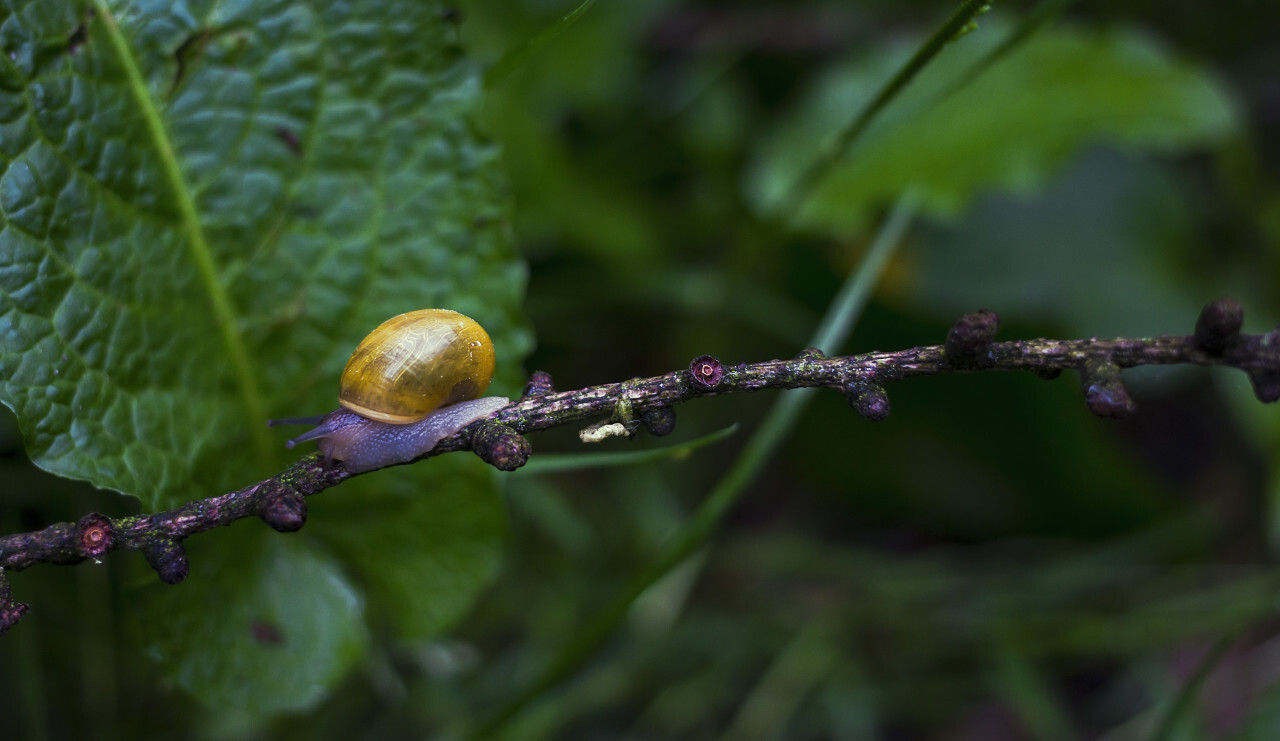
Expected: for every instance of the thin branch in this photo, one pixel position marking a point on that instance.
(627, 406)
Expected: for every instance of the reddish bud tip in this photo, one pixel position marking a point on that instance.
(706, 372)
(95, 535)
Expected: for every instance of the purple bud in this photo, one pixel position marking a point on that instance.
(1219, 325)
(869, 400)
(95, 535)
(10, 612)
(968, 338)
(660, 421)
(168, 558)
(706, 372)
(284, 510)
(1266, 386)
(500, 446)
(539, 384)
(1104, 390)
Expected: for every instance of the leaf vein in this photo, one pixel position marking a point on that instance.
(200, 250)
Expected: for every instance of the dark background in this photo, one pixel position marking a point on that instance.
(991, 562)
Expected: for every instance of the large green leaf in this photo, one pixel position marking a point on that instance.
(203, 207)
(298, 632)
(1011, 127)
(418, 548)
(290, 619)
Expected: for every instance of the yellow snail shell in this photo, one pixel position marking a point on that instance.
(411, 383)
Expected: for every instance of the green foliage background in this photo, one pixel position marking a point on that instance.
(205, 205)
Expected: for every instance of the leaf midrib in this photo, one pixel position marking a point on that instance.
(224, 315)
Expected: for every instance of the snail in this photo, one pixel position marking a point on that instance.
(415, 380)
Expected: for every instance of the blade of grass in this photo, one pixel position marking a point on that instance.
(556, 463)
(517, 56)
(818, 170)
(770, 705)
(1020, 683)
(831, 333)
(1026, 28)
(1177, 707)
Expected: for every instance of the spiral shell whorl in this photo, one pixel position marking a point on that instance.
(413, 363)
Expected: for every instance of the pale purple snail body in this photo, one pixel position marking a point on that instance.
(411, 383)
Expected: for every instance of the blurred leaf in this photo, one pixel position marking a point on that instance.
(199, 219)
(1092, 253)
(591, 70)
(258, 629)
(422, 549)
(1011, 127)
(561, 201)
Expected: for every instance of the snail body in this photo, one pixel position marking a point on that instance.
(413, 381)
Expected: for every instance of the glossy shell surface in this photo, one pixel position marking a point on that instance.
(415, 363)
